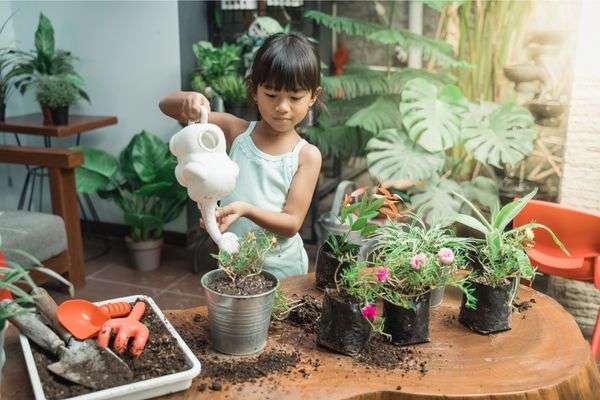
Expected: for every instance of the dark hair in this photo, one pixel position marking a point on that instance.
(286, 61)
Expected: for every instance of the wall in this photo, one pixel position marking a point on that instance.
(129, 56)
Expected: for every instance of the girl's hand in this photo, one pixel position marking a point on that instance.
(230, 213)
(191, 106)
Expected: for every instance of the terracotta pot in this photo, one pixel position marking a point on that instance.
(46, 114)
(145, 256)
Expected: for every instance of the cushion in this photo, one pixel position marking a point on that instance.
(41, 235)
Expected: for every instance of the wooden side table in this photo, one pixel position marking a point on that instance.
(32, 124)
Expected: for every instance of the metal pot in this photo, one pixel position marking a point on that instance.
(239, 325)
(437, 296)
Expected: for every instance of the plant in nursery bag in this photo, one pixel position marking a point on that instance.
(500, 262)
(142, 184)
(349, 314)
(339, 251)
(240, 296)
(412, 260)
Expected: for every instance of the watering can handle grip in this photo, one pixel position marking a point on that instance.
(47, 308)
(31, 326)
(203, 116)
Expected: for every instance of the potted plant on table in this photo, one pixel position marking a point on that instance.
(501, 260)
(338, 251)
(56, 94)
(232, 90)
(349, 315)
(143, 185)
(413, 260)
(240, 296)
(47, 60)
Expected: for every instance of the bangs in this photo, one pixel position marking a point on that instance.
(286, 62)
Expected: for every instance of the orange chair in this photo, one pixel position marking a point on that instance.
(580, 232)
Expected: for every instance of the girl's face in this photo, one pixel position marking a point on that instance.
(281, 109)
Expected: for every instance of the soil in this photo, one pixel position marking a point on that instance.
(307, 315)
(523, 306)
(380, 353)
(219, 370)
(160, 346)
(252, 285)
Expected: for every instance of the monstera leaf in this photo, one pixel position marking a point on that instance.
(500, 137)
(392, 156)
(380, 115)
(432, 116)
(436, 201)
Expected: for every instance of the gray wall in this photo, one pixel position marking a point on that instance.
(129, 56)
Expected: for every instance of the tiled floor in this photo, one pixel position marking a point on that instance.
(173, 285)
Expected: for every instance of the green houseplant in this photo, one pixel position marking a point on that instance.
(46, 59)
(57, 94)
(411, 261)
(500, 261)
(9, 58)
(416, 125)
(142, 184)
(240, 296)
(14, 280)
(232, 90)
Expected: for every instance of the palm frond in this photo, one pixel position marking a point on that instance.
(355, 82)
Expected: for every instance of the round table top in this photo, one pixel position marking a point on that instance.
(543, 356)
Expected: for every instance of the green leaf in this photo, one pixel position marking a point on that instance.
(88, 181)
(143, 221)
(99, 161)
(511, 210)
(482, 189)
(437, 202)
(356, 81)
(44, 37)
(471, 223)
(159, 189)
(431, 117)
(382, 114)
(501, 137)
(391, 156)
(146, 154)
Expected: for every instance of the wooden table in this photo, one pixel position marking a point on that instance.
(32, 124)
(544, 356)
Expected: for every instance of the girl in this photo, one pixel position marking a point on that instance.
(278, 169)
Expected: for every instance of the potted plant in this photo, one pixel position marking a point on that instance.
(349, 314)
(239, 296)
(215, 63)
(412, 261)
(232, 90)
(56, 94)
(339, 250)
(142, 183)
(14, 279)
(47, 60)
(500, 261)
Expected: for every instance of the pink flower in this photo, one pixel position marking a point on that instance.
(369, 311)
(445, 256)
(417, 261)
(382, 274)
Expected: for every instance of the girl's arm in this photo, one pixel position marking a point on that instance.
(289, 221)
(185, 106)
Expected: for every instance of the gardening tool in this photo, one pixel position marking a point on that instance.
(125, 329)
(205, 169)
(83, 363)
(84, 319)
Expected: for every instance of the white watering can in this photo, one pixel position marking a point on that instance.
(205, 169)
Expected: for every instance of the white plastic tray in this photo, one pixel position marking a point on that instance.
(133, 391)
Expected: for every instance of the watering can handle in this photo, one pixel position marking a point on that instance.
(203, 116)
(340, 191)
